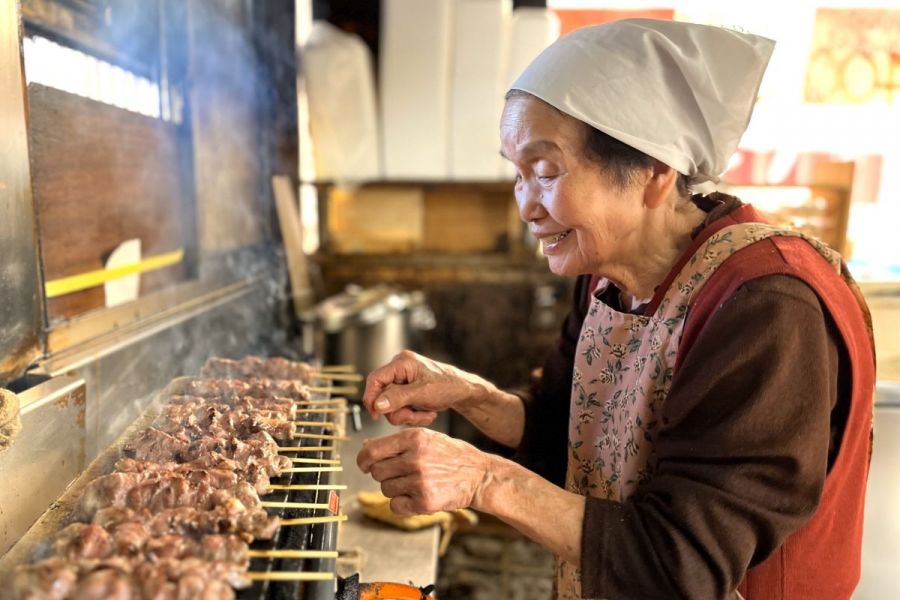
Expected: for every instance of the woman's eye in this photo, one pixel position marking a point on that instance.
(546, 178)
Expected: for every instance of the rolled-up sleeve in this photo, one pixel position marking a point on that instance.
(742, 453)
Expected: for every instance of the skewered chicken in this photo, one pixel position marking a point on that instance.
(254, 474)
(121, 578)
(229, 517)
(262, 388)
(154, 445)
(85, 541)
(159, 491)
(256, 366)
(196, 420)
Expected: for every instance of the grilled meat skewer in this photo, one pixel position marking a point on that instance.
(86, 541)
(231, 517)
(248, 403)
(261, 388)
(251, 366)
(197, 421)
(120, 578)
(254, 474)
(153, 445)
(159, 491)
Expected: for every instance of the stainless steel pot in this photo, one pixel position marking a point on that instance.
(367, 327)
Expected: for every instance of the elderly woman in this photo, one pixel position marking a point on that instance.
(702, 429)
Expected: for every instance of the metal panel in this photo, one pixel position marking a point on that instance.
(20, 296)
(46, 456)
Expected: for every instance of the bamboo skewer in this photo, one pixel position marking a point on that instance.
(292, 553)
(289, 575)
(314, 520)
(310, 505)
(341, 376)
(316, 461)
(313, 470)
(333, 389)
(308, 486)
(306, 448)
(323, 411)
(324, 424)
(320, 436)
(338, 369)
(318, 403)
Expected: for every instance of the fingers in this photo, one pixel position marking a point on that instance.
(401, 370)
(390, 468)
(403, 506)
(407, 485)
(386, 447)
(397, 396)
(407, 496)
(410, 417)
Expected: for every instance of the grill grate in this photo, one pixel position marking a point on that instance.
(320, 536)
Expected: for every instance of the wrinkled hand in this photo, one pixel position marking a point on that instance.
(412, 389)
(424, 471)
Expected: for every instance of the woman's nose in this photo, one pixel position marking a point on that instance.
(529, 201)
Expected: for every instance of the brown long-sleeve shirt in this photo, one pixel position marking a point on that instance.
(750, 428)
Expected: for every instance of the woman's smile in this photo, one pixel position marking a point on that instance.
(552, 243)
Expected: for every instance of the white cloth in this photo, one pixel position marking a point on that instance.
(679, 92)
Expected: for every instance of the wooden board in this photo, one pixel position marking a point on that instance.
(292, 237)
(101, 175)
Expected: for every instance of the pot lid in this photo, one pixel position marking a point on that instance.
(360, 306)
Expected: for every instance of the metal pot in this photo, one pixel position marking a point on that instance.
(367, 327)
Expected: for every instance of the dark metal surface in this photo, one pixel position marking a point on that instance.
(20, 295)
(318, 537)
(45, 457)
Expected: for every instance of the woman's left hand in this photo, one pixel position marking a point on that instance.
(424, 471)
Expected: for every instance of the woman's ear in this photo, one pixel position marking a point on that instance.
(660, 184)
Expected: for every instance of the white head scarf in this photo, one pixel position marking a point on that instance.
(679, 92)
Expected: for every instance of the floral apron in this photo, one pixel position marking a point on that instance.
(623, 371)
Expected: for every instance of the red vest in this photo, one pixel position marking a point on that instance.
(822, 559)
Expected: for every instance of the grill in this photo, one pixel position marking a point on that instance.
(320, 536)
(276, 568)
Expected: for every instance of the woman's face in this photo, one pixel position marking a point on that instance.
(580, 219)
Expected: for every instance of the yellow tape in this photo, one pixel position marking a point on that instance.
(84, 281)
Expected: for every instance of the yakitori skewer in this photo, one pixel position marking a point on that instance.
(320, 403)
(306, 448)
(289, 575)
(316, 461)
(309, 505)
(314, 520)
(342, 376)
(292, 553)
(322, 411)
(308, 486)
(337, 469)
(332, 389)
(323, 424)
(337, 368)
(319, 436)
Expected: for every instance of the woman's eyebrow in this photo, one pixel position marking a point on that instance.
(532, 148)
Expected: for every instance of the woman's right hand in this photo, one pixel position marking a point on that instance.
(412, 389)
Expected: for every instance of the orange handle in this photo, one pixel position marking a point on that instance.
(392, 591)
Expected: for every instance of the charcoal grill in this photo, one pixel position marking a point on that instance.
(322, 536)
(318, 536)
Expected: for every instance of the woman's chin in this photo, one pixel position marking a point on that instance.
(561, 267)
